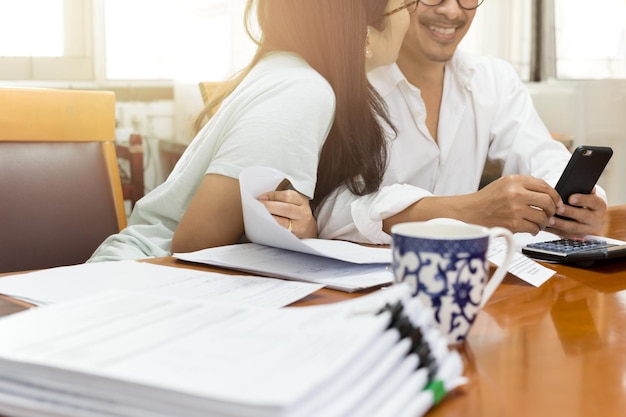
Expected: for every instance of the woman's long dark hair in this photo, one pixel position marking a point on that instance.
(331, 36)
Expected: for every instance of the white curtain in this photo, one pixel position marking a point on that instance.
(502, 28)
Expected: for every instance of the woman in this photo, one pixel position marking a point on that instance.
(303, 100)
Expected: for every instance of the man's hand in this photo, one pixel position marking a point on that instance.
(520, 203)
(585, 213)
(292, 211)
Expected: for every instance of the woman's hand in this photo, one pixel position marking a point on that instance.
(292, 211)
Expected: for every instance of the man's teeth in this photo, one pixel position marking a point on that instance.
(443, 31)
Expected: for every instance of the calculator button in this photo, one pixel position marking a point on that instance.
(568, 245)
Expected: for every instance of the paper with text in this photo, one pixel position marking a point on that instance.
(521, 266)
(60, 284)
(267, 260)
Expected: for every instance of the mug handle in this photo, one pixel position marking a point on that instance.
(501, 271)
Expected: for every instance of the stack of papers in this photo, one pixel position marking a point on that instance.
(139, 355)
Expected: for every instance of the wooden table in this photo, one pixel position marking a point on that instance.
(556, 350)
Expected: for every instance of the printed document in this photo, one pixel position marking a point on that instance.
(55, 285)
(270, 261)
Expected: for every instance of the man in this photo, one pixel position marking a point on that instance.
(452, 113)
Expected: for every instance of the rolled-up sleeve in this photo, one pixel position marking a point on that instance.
(347, 216)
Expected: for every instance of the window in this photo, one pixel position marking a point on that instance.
(111, 42)
(17, 37)
(590, 39)
(502, 28)
(580, 39)
(45, 40)
(188, 39)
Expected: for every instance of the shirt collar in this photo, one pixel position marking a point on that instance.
(385, 79)
(461, 67)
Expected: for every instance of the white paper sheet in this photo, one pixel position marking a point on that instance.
(521, 266)
(263, 229)
(55, 285)
(276, 262)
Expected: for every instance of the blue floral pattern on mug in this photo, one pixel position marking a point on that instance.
(448, 276)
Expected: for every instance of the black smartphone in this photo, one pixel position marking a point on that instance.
(583, 170)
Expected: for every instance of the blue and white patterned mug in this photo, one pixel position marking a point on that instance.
(445, 264)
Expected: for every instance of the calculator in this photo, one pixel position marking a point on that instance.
(583, 252)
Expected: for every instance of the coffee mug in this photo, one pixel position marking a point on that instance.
(445, 264)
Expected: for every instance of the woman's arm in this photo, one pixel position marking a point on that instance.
(214, 216)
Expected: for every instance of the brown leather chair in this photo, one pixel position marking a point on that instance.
(132, 179)
(60, 191)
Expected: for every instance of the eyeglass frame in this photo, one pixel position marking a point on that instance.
(457, 1)
(404, 6)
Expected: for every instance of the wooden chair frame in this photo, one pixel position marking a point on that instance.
(76, 121)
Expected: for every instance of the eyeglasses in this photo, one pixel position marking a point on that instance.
(463, 4)
(410, 7)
